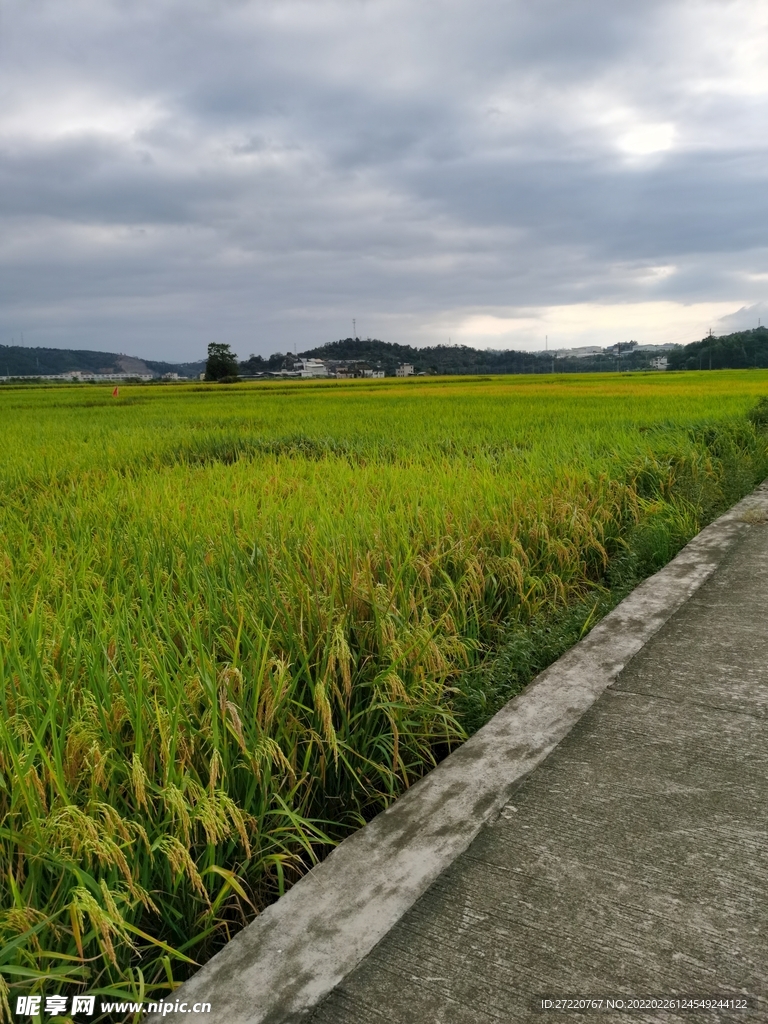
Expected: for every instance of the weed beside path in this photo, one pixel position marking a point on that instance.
(237, 623)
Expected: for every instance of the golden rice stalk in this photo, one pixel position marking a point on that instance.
(231, 682)
(237, 817)
(78, 835)
(268, 750)
(33, 778)
(276, 686)
(4, 1004)
(139, 781)
(231, 716)
(108, 923)
(181, 862)
(323, 709)
(395, 687)
(215, 769)
(340, 657)
(180, 811)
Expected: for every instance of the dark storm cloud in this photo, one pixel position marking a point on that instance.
(260, 172)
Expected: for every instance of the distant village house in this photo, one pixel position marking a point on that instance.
(310, 368)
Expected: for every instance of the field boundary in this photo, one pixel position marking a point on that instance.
(300, 948)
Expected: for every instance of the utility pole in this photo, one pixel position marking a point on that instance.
(354, 329)
(710, 348)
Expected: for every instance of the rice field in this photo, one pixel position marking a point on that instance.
(235, 620)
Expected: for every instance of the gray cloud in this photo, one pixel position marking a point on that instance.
(261, 172)
(746, 318)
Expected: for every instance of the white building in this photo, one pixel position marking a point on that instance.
(310, 368)
(108, 377)
(81, 375)
(404, 370)
(583, 352)
(659, 363)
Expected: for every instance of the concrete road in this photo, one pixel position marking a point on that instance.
(632, 863)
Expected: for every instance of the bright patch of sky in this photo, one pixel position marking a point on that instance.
(259, 172)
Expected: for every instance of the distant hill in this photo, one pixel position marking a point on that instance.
(193, 369)
(387, 356)
(452, 359)
(20, 361)
(442, 359)
(742, 350)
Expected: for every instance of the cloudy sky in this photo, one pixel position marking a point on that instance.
(259, 172)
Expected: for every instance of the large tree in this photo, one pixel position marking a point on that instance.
(222, 362)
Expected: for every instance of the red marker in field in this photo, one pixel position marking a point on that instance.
(116, 392)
